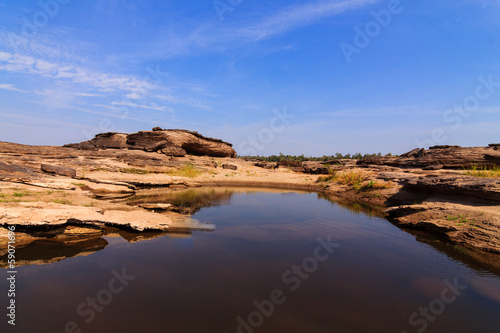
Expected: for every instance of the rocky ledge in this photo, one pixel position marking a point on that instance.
(439, 157)
(171, 142)
(98, 184)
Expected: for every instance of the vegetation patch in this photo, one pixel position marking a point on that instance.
(135, 171)
(21, 194)
(301, 158)
(187, 170)
(357, 179)
(62, 202)
(483, 172)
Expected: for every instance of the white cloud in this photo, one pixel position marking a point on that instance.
(190, 102)
(103, 81)
(153, 106)
(134, 96)
(8, 86)
(88, 95)
(301, 15)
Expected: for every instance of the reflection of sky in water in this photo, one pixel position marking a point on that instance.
(204, 281)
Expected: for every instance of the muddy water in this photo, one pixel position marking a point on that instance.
(277, 262)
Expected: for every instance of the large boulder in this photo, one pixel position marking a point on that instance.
(316, 168)
(173, 142)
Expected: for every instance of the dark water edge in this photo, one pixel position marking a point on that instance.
(374, 279)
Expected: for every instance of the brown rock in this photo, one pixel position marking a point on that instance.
(103, 140)
(157, 146)
(484, 188)
(191, 142)
(229, 166)
(421, 153)
(411, 153)
(315, 168)
(451, 157)
(174, 151)
(59, 170)
(266, 165)
(434, 167)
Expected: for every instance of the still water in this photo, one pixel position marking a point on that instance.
(277, 262)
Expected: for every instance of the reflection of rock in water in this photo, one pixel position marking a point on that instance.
(354, 206)
(40, 252)
(42, 247)
(185, 201)
(471, 257)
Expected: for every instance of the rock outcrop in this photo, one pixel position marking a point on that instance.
(58, 170)
(484, 188)
(450, 157)
(476, 227)
(174, 142)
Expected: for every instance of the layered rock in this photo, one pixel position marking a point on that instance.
(484, 188)
(173, 142)
(450, 157)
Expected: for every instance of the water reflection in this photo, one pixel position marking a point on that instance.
(45, 247)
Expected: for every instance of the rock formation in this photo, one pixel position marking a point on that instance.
(174, 142)
(449, 157)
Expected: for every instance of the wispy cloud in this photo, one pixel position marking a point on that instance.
(185, 101)
(104, 81)
(153, 106)
(299, 15)
(89, 95)
(208, 37)
(8, 86)
(134, 96)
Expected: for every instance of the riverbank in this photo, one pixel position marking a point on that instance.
(74, 193)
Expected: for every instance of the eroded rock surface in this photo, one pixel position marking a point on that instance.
(450, 157)
(173, 142)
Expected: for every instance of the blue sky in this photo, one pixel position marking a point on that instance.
(299, 77)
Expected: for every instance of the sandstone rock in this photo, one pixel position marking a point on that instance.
(50, 215)
(14, 171)
(174, 151)
(451, 157)
(191, 142)
(59, 170)
(229, 166)
(103, 140)
(463, 224)
(421, 153)
(411, 153)
(156, 206)
(266, 165)
(295, 164)
(212, 164)
(155, 129)
(434, 167)
(156, 146)
(483, 188)
(315, 168)
(443, 147)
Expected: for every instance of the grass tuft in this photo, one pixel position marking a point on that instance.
(484, 172)
(135, 171)
(187, 170)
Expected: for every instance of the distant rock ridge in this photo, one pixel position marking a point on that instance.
(447, 157)
(171, 142)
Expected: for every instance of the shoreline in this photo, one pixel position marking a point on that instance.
(461, 210)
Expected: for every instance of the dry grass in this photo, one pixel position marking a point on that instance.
(187, 170)
(357, 179)
(135, 171)
(483, 172)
